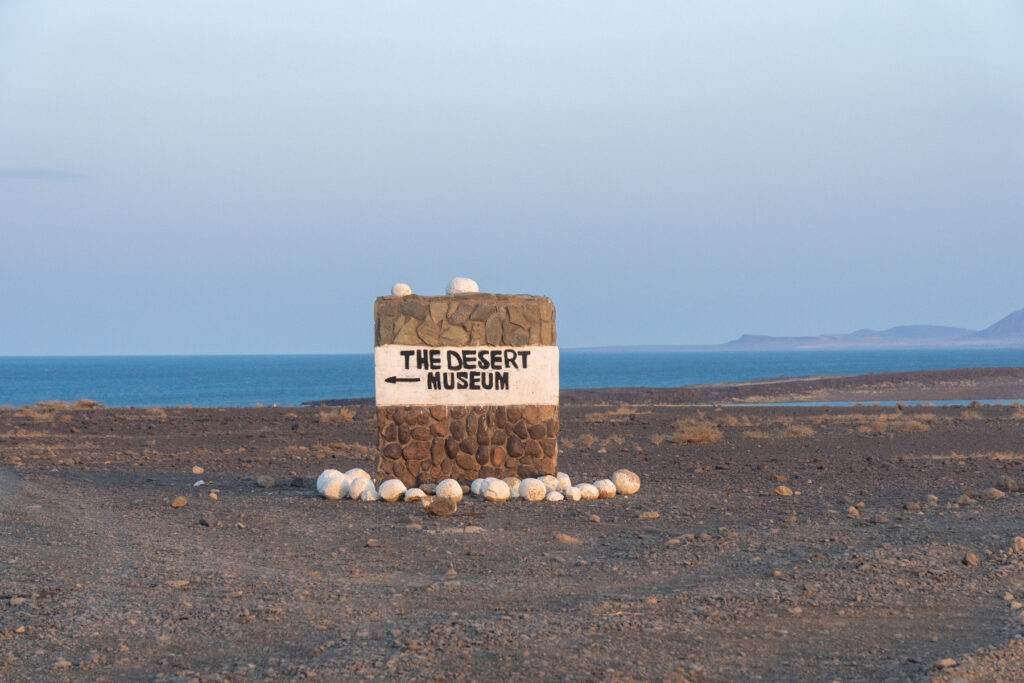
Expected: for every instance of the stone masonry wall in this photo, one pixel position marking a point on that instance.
(425, 444)
(465, 320)
(422, 444)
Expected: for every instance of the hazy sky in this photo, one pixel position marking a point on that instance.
(245, 177)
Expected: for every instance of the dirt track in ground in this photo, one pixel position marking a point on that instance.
(728, 582)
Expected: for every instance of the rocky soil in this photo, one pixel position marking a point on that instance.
(850, 544)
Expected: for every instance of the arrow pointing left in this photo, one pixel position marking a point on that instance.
(394, 380)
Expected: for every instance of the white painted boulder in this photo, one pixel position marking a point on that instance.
(554, 497)
(358, 473)
(336, 488)
(392, 490)
(326, 476)
(532, 489)
(476, 487)
(550, 483)
(412, 495)
(605, 488)
(497, 491)
(369, 494)
(588, 492)
(357, 486)
(572, 493)
(401, 289)
(564, 481)
(626, 482)
(449, 488)
(461, 285)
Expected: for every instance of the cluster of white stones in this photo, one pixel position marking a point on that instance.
(458, 285)
(358, 485)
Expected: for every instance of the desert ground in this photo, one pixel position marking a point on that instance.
(860, 543)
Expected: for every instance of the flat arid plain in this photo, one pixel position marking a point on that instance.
(860, 543)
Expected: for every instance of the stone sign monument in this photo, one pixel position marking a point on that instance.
(466, 386)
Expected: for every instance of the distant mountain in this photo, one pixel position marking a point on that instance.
(1007, 333)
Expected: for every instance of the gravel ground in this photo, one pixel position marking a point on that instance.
(706, 574)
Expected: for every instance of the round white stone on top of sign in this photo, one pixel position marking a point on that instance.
(461, 285)
(401, 289)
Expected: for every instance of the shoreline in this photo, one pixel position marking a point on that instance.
(961, 384)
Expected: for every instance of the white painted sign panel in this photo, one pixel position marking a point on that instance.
(466, 376)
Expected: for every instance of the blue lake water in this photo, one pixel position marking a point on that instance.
(291, 380)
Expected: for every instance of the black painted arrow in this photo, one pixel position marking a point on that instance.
(394, 380)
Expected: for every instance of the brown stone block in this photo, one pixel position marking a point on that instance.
(483, 456)
(445, 469)
(398, 416)
(532, 312)
(390, 432)
(483, 437)
(399, 470)
(417, 416)
(392, 451)
(404, 435)
(429, 333)
(460, 314)
(547, 310)
(423, 433)
(521, 430)
(480, 410)
(548, 412)
(482, 312)
(414, 307)
(417, 450)
(499, 417)
(439, 412)
(469, 445)
(440, 429)
(472, 420)
(548, 467)
(533, 449)
(553, 427)
(477, 334)
(437, 451)
(498, 456)
(414, 467)
(386, 307)
(381, 419)
(458, 412)
(547, 333)
(515, 414)
(516, 315)
(534, 333)
(453, 335)
(438, 311)
(458, 429)
(493, 330)
(466, 461)
(499, 437)
(531, 414)
(516, 449)
(451, 446)
(405, 331)
(549, 446)
(537, 431)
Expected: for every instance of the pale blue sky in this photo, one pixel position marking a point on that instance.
(245, 177)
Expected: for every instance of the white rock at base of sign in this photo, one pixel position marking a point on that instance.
(564, 481)
(550, 483)
(369, 495)
(357, 486)
(336, 487)
(497, 491)
(532, 489)
(605, 488)
(412, 495)
(475, 486)
(588, 492)
(626, 482)
(401, 289)
(357, 473)
(392, 490)
(449, 488)
(554, 497)
(324, 477)
(461, 285)
(571, 493)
